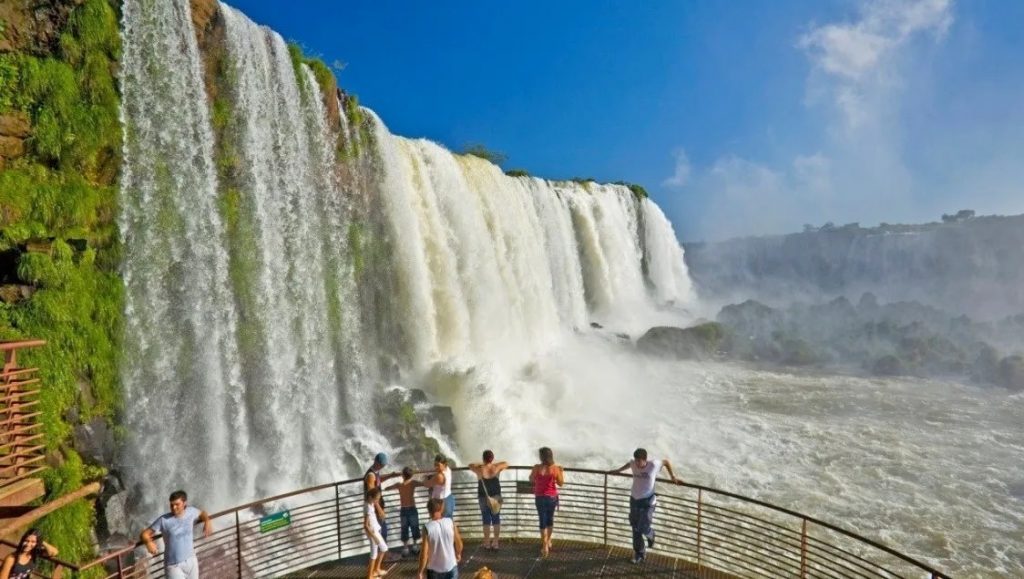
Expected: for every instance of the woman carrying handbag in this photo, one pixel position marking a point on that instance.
(489, 495)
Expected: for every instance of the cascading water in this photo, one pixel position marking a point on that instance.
(664, 257)
(501, 276)
(290, 206)
(246, 356)
(181, 369)
(501, 268)
(239, 335)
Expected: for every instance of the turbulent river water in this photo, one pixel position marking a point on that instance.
(935, 469)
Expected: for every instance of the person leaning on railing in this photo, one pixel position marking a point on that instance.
(546, 477)
(489, 495)
(176, 527)
(21, 563)
(642, 499)
(408, 516)
(440, 484)
(373, 478)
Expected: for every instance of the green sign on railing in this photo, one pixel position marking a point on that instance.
(275, 521)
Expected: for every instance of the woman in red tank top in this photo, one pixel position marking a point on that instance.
(546, 478)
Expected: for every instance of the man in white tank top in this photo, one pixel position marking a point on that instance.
(442, 545)
(642, 499)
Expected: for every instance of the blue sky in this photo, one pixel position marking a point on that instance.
(739, 117)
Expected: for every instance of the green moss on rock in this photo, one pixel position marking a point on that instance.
(60, 199)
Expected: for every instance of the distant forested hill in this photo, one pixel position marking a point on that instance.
(964, 264)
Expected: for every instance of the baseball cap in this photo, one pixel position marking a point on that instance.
(381, 458)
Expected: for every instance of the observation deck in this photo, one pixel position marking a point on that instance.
(701, 532)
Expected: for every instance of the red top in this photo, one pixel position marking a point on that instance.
(544, 484)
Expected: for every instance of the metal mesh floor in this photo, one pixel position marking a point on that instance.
(521, 558)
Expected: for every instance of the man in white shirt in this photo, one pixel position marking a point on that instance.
(442, 545)
(642, 499)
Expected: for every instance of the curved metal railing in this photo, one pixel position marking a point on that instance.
(715, 531)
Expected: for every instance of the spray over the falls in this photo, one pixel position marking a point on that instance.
(256, 254)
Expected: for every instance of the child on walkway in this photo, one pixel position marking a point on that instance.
(371, 525)
(409, 518)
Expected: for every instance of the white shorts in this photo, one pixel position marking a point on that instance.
(187, 569)
(377, 545)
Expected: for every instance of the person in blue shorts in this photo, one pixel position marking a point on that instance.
(489, 495)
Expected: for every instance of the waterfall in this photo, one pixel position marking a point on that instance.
(269, 278)
(285, 177)
(181, 369)
(664, 257)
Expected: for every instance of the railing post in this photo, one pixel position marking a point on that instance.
(803, 550)
(515, 505)
(337, 514)
(120, 567)
(238, 544)
(700, 503)
(606, 509)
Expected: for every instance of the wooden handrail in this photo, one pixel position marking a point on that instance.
(32, 470)
(19, 417)
(17, 395)
(20, 442)
(31, 516)
(8, 385)
(8, 374)
(6, 346)
(21, 429)
(10, 350)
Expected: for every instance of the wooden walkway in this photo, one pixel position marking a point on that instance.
(520, 558)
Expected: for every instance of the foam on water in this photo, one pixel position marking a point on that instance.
(934, 469)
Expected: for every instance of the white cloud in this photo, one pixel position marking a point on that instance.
(867, 72)
(855, 60)
(845, 51)
(681, 175)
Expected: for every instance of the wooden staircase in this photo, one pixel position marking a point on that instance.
(22, 449)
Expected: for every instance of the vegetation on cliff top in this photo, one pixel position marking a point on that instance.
(481, 151)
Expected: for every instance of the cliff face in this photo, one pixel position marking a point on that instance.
(60, 141)
(34, 27)
(973, 266)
